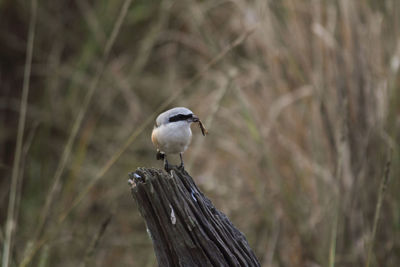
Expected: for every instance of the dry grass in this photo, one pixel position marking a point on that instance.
(301, 99)
(15, 191)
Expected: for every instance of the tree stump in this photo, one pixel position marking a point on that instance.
(185, 227)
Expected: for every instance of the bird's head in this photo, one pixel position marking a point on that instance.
(179, 115)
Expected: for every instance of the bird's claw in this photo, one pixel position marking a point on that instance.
(166, 166)
(181, 167)
(167, 169)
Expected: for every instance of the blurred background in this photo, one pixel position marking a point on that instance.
(301, 100)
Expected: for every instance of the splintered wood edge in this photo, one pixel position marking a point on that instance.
(171, 203)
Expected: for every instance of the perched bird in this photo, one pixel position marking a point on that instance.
(172, 134)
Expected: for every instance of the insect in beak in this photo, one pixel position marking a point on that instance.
(202, 128)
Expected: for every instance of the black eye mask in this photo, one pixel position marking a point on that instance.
(180, 117)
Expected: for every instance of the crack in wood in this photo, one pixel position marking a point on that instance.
(185, 227)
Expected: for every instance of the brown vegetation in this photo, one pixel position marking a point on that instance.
(301, 100)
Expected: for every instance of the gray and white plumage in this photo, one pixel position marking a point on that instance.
(173, 137)
(172, 134)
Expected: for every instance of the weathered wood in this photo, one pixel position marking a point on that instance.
(185, 227)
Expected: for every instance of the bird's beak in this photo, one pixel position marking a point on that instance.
(195, 118)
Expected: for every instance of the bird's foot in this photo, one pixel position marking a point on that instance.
(167, 167)
(181, 167)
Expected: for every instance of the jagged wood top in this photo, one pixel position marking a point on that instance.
(185, 227)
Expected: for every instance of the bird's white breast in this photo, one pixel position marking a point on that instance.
(173, 138)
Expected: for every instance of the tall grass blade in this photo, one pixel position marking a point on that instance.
(10, 223)
(381, 193)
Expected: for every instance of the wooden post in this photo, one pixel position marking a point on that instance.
(185, 227)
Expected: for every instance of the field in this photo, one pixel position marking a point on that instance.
(301, 100)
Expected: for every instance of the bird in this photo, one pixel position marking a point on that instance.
(172, 134)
